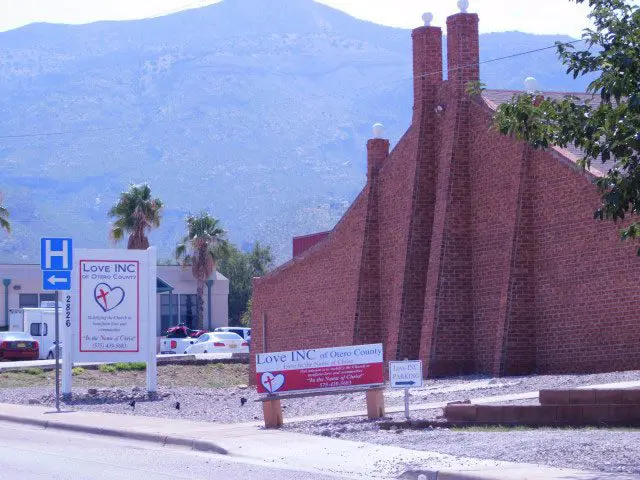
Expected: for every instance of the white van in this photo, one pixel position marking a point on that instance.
(244, 332)
(40, 323)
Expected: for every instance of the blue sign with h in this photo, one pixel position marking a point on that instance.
(56, 254)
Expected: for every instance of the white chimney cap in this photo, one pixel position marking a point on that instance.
(378, 130)
(427, 18)
(531, 85)
(463, 5)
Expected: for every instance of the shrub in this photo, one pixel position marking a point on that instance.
(107, 368)
(77, 371)
(33, 371)
(131, 366)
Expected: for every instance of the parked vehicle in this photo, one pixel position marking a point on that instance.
(178, 338)
(182, 331)
(219, 342)
(244, 332)
(52, 351)
(18, 346)
(37, 322)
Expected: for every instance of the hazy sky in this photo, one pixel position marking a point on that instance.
(536, 16)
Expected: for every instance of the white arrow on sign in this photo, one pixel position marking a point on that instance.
(53, 280)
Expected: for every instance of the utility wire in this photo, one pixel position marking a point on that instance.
(492, 60)
(424, 75)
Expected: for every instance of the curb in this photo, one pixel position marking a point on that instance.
(181, 360)
(438, 475)
(163, 440)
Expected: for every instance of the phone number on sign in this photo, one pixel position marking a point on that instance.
(109, 346)
(344, 383)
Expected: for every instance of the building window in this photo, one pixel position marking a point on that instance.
(39, 329)
(29, 300)
(47, 297)
(33, 300)
(188, 313)
(165, 314)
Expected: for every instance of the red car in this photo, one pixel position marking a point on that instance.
(182, 331)
(18, 346)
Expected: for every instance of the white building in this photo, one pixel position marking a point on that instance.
(22, 287)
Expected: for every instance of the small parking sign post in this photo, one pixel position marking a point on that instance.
(56, 263)
(405, 375)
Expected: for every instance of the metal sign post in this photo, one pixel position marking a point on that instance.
(405, 375)
(57, 350)
(406, 404)
(56, 263)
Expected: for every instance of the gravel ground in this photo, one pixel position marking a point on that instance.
(108, 393)
(614, 450)
(605, 450)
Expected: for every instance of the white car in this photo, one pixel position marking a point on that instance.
(219, 342)
(244, 332)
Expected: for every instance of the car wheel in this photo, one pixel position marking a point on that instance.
(50, 356)
(205, 352)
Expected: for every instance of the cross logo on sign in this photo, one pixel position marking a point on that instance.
(56, 254)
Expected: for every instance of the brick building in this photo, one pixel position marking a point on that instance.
(466, 249)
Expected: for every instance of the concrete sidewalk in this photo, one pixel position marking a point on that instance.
(291, 449)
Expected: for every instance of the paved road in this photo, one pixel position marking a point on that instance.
(30, 453)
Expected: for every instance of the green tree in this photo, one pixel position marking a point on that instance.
(240, 268)
(135, 213)
(245, 319)
(199, 249)
(606, 128)
(4, 214)
(260, 259)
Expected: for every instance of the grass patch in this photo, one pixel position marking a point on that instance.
(208, 376)
(77, 371)
(22, 378)
(130, 366)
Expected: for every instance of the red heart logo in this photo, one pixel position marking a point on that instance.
(108, 297)
(272, 383)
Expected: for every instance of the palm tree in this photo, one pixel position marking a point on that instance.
(135, 213)
(4, 223)
(199, 249)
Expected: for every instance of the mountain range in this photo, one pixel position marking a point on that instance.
(257, 111)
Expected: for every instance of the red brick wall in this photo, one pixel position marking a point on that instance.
(311, 301)
(466, 249)
(395, 198)
(586, 279)
(448, 316)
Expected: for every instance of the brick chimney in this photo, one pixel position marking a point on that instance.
(427, 60)
(463, 48)
(377, 151)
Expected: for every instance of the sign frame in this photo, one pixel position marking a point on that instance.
(113, 320)
(320, 369)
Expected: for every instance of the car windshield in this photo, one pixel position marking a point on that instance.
(15, 336)
(204, 338)
(226, 336)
